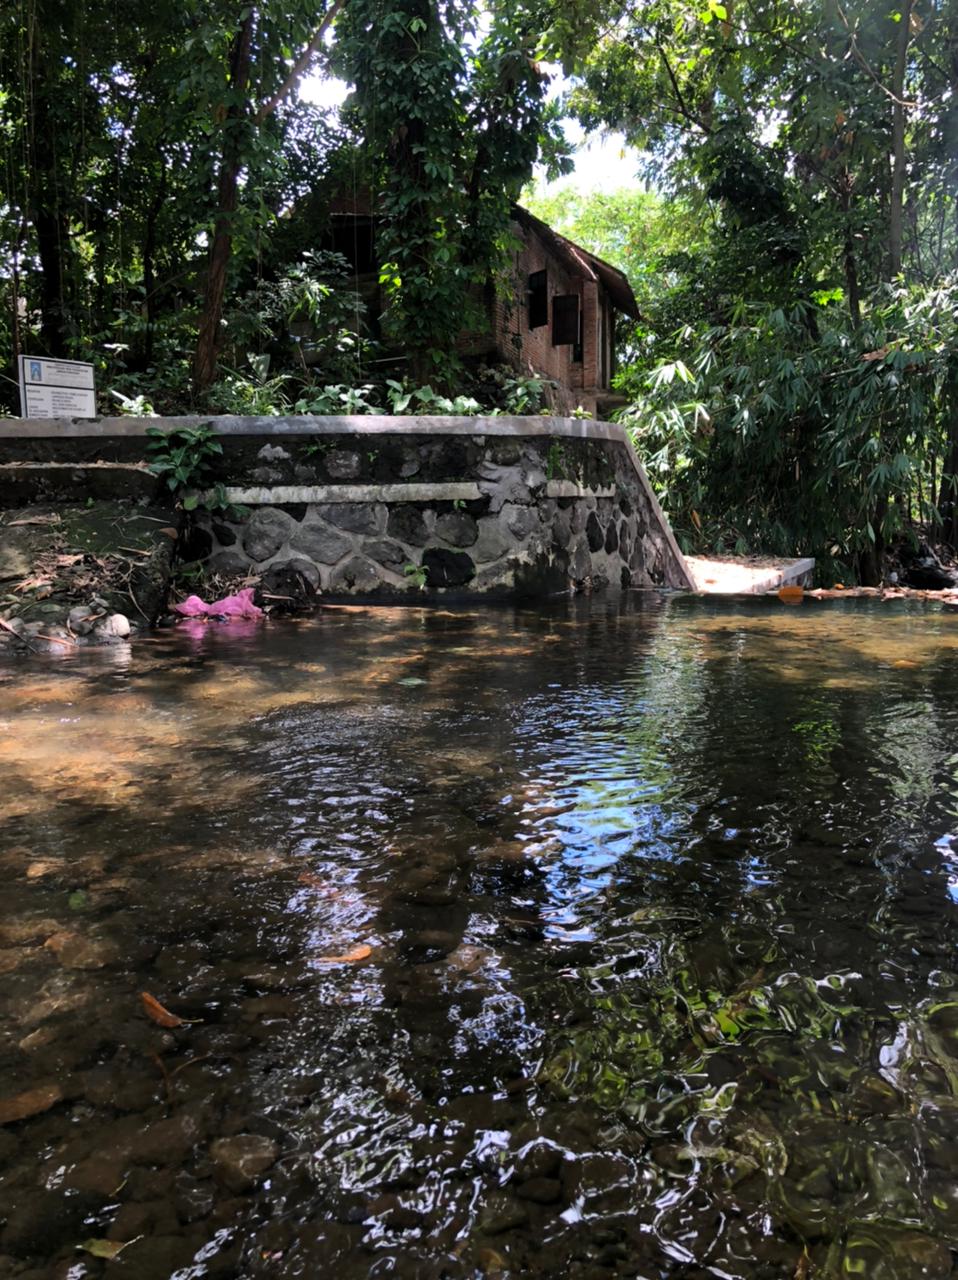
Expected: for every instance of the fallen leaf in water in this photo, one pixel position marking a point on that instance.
(106, 1248)
(30, 1103)
(361, 952)
(313, 881)
(410, 682)
(803, 1269)
(170, 532)
(791, 595)
(161, 1016)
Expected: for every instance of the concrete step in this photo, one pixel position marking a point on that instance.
(746, 575)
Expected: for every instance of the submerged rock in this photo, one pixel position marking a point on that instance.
(239, 1161)
(74, 951)
(82, 619)
(502, 1213)
(540, 1190)
(41, 1220)
(882, 1254)
(29, 1103)
(155, 1258)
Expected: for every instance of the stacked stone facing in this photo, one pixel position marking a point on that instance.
(462, 514)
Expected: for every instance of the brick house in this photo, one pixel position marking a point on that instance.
(561, 321)
(557, 319)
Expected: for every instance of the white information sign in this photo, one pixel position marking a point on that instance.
(56, 388)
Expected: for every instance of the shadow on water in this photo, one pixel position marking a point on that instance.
(614, 938)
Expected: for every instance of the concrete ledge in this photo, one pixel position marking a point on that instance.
(569, 489)
(281, 494)
(308, 425)
(23, 482)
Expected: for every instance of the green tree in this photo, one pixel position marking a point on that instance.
(453, 120)
(810, 141)
(130, 133)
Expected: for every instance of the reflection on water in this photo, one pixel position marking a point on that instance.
(609, 939)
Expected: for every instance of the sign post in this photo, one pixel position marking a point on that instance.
(56, 388)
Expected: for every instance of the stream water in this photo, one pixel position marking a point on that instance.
(615, 938)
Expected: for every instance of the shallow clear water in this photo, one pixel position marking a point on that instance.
(660, 919)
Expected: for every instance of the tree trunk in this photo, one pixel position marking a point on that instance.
(871, 561)
(852, 287)
(51, 232)
(149, 263)
(897, 198)
(948, 492)
(48, 214)
(231, 162)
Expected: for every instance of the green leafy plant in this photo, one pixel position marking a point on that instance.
(134, 406)
(338, 399)
(556, 463)
(418, 573)
(524, 394)
(258, 395)
(406, 399)
(184, 459)
(184, 456)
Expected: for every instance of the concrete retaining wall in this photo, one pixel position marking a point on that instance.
(384, 506)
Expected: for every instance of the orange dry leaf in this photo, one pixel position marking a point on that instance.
(362, 952)
(791, 595)
(161, 1016)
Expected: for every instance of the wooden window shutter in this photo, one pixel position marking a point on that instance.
(538, 299)
(565, 320)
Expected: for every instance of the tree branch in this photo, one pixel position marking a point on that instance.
(866, 66)
(683, 106)
(301, 65)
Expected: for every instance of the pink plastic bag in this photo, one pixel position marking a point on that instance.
(238, 606)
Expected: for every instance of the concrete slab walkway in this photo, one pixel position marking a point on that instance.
(747, 575)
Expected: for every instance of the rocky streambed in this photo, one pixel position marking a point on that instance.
(605, 938)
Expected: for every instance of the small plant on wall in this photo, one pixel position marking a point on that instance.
(418, 574)
(556, 462)
(183, 458)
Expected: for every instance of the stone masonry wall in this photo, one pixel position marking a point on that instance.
(381, 506)
(463, 514)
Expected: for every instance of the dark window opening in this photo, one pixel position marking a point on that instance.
(538, 300)
(354, 238)
(565, 321)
